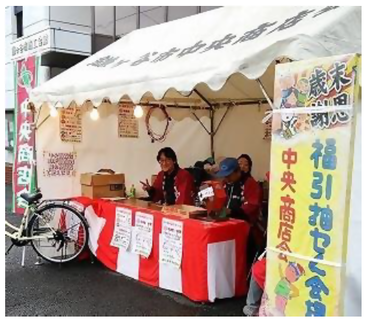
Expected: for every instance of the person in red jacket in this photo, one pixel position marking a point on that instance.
(244, 201)
(173, 184)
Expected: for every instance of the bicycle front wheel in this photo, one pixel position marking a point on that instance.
(59, 233)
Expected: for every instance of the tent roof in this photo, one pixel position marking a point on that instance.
(216, 52)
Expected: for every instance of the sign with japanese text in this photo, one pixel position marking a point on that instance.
(171, 246)
(23, 177)
(32, 45)
(59, 164)
(271, 27)
(122, 228)
(128, 125)
(143, 234)
(311, 162)
(70, 125)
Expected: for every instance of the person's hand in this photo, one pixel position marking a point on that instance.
(146, 186)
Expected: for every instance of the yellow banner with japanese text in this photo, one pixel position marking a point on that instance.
(312, 148)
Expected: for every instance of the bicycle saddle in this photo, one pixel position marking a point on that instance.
(31, 198)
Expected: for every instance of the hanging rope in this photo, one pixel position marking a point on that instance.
(154, 136)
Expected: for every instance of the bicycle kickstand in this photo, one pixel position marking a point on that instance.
(8, 250)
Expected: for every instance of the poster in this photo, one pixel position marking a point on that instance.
(128, 124)
(23, 174)
(59, 164)
(70, 125)
(311, 166)
(122, 228)
(143, 234)
(171, 245)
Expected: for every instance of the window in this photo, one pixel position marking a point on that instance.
(9, 133)
(18, 11)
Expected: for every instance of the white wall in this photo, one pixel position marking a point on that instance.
(242, 133)
(35, 19)
(76, 18)
(101, 148)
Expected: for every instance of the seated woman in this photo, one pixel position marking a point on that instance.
(251, 189)
(173, 184)
(253, 201)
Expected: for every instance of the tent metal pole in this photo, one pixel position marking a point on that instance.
(212, 122)
(212, 135)
(222, 119)
(265, 93)
(202, 124)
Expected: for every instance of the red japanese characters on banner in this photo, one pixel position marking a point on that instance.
(26, 78)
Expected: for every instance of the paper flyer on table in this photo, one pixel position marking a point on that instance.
(171, 246)
(122, 228)
(143, 234)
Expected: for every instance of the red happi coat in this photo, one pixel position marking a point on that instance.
(183, 186)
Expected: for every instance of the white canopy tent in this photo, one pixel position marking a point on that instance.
(210, 61)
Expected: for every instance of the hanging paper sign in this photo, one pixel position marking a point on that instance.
(143, 234)
(122, 228)
(70, 125)
(171, 245)
(59, 164)
(268, 128)
(311, 163)
(128, 125)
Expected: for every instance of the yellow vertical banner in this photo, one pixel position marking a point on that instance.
(311, 165)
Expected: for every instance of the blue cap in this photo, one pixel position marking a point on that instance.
(227, 167)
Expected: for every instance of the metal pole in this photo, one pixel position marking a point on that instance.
(166, 14)
(212, 115)
(92, 8)
(114, 23)
(138, 21)
(265, 93)
(199, 9)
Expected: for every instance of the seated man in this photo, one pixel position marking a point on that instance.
(243, 203)
(173, 184)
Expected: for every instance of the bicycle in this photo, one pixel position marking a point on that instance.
(57, 231)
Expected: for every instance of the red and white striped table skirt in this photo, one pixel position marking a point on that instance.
(213, 259)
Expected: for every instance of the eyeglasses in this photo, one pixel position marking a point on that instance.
(166, 160)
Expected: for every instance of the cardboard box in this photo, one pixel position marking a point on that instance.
(98, 185)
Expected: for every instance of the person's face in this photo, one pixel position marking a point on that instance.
(233, 177)
(166, 164)
(291, 274)
(244, 165)
(303, 86)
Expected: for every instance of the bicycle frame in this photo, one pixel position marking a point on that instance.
(18, 235)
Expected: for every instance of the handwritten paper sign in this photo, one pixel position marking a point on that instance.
(122, 228)
(172, 243)
(143, 236)
(59, 164)
(70, 125)
(128, 125)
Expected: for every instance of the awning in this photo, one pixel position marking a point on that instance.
(210, 52)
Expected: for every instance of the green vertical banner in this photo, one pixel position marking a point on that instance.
(25, 76)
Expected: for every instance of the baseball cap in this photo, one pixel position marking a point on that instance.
(227, 167)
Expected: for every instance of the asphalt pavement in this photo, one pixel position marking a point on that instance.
(91, 289)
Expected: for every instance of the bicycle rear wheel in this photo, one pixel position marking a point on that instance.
(60, 233)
